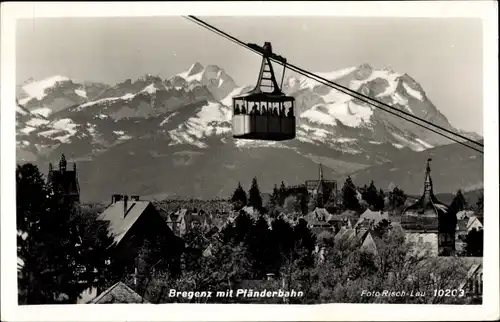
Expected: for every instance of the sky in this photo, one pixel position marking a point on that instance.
(443, 54)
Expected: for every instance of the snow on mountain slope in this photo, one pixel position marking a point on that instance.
(323, 110)
(62, 130)
(43, 111)
(37, 89)
(21, 111)
(228, 100)
(211, 119)
(217, 81)
(311, 83)
(81, 93)
(194, 109)
(56, 93)
(413, 92)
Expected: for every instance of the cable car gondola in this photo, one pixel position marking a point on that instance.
(265, 114)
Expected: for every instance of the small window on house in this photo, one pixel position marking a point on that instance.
(420, 239)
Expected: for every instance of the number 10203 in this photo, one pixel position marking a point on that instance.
(449, 293)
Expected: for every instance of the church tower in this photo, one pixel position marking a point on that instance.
(64, 180)
(428, 223)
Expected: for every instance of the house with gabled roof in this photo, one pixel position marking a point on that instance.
(363, 238)
(134, 222)
(371, 218)
(118, 293)
(472, 284)
(476, 223)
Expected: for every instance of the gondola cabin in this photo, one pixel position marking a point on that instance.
(265, 113)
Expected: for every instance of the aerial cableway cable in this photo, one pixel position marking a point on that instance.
(346, 90)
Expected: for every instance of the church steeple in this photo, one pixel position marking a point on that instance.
(428, 181)
(320, 189)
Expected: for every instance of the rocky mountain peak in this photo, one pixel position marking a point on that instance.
(195, 69)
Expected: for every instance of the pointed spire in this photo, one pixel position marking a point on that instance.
(428, 179)
(319, 190)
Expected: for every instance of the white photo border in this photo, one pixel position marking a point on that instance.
(10, 311)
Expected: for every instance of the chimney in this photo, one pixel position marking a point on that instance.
(115, 198)
(125, 201)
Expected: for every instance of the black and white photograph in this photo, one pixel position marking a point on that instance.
(260, 159)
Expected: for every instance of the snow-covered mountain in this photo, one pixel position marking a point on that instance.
(328, 114)
(187, 120)
(56, 93)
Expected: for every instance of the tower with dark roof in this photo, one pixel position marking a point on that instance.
(64, 180)
(428, 222)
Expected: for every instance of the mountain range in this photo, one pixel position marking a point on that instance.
(162, 137)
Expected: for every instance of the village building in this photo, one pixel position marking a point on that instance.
(472, 284)
(475, 222)
(132, 224)
(461, 231)
(428, 224)
(321, 190)
(65, 180)
(183, 220)
(118, 293)
(360, 237)
(372, 218)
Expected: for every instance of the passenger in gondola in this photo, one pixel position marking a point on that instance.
(282, 111)
(290, 112)
(264, 111)
(243, 109)
(275, 111)
(254, 110)
(237, 110)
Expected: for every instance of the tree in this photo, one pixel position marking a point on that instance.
(311, 204)
(239, 198)
(370, 194)
(258, 243)
(349, 195)
(290, 204)
(195, 245)
(397, 198)
(479, 208)
(254, 198)
(346, 271)
(304, 241)
(282, 241)
(380, 200)
(62, 252)
(458, 203)
(474, 243)
(241, 228)
(95, 248)
(274, 199)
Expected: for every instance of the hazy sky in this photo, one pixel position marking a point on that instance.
(443, 55)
